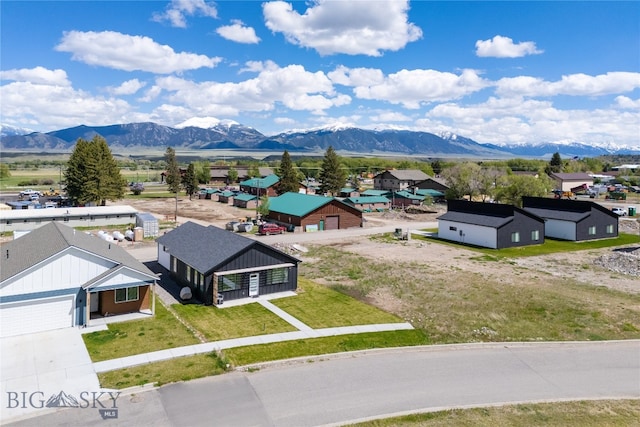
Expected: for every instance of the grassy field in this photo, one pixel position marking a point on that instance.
(598, 413)
(454, 306)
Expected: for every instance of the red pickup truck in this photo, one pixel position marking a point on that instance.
(270, 228)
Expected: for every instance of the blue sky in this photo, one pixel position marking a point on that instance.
(497, 72)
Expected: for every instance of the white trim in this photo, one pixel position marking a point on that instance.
(247, 270)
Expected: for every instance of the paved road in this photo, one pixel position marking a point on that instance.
(377, 384)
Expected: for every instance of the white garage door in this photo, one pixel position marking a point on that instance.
(36, 316)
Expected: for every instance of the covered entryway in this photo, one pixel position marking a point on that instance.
(27, 317)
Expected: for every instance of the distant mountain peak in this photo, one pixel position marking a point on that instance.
(206, 123)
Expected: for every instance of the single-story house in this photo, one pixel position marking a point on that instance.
(244, 200)
(435, 195)
(94, 216)
(398, 179)
(261, 186)
(400, 199)
(433, 183)
(573, 219)
(378, 193)
(369, 203)
(567, 181)
(56, 277)
(349, 192)
(219, 266)
(312, 212)
(490, 225)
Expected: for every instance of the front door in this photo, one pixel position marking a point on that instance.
(254, 284)
(94, 302)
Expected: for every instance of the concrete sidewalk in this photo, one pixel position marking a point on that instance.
(156, 356)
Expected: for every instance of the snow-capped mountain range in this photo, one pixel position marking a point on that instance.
(211, 133)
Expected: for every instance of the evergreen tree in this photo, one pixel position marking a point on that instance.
(189, 180)
(92, 174)
(332, 176)
(254, 170)
(555, 164)
(289, 180)
(173, 173)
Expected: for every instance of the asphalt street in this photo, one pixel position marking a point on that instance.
(377, 384)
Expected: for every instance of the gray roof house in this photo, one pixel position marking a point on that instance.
(490, 225)
(573, 219)
(398, 179)
(220, 265)
(56, 277)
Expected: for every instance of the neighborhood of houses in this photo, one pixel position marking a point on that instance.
(54, 276)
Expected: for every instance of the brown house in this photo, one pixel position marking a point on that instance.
(313, 213)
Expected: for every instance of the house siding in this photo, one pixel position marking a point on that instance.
(108, 305)
(600, 221)
(468, 233)
(348, 216)
(557, 229)
(524, 225)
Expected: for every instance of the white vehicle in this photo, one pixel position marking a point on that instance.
(619, 211)
(28, 193)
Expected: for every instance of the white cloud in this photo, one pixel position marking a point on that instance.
(239, 33)
(129, 53)
(37, 75)
(574, 85)
(348, 27)
(390, 116)
(627, 103)
(517, 121)
(128, 88)
(258, 66)
(177, 11)
(504, 47)
(413, 88)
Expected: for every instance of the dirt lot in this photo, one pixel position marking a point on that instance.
(582, 266)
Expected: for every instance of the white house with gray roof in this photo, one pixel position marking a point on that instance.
(56, 277)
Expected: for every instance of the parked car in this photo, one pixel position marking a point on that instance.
(619, 211)
(232, 225)
(270, 228)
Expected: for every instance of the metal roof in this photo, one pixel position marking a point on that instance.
(366, 199)
(207, 248)
(244, 197)
(407, 174)
(52, 238)
(429, 192)
(265, 182)
(375, 193)
(476, 219)
(66, 212)
(297, 204)
(408, 195)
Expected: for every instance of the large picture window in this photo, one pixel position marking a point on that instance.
(230, 282)
(126, 295)
(277, 275)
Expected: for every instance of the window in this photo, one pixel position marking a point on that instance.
(188, 275)
(610, 229)
(535, 235)
(515, 237)
(230, 282)
(278, 275)
(128, 294)
(174, 264)
(453, 228)
(592, 230)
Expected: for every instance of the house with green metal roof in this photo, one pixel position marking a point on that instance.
(370, 192)
(261, 186)
(369, 203)
(349, 192)
(401, 199)
(309, 212)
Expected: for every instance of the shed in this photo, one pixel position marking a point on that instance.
(401, 199)
(212, 262)
(369, 203)
(567, 181)
(244, 200)
(490, 225)
(573, 219)
(149, 224)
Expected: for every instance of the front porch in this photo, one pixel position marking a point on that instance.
(99, 322)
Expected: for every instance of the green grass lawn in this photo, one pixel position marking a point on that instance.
(232, 322)
(322, 307)
(138, 336)
(173, 370)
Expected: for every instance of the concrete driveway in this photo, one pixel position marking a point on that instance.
(36, 367)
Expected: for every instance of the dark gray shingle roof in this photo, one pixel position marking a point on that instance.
(205, 248)
(52, 238)
(477, 219)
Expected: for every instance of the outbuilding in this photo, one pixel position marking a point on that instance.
(490, 225)
(369, 203)
(219, 266)
(312, 212)
(573, 219)
(56, 277)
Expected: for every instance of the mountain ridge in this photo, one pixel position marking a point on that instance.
(229, 135)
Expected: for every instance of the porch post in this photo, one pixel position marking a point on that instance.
(87, 308)
(153, 298)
